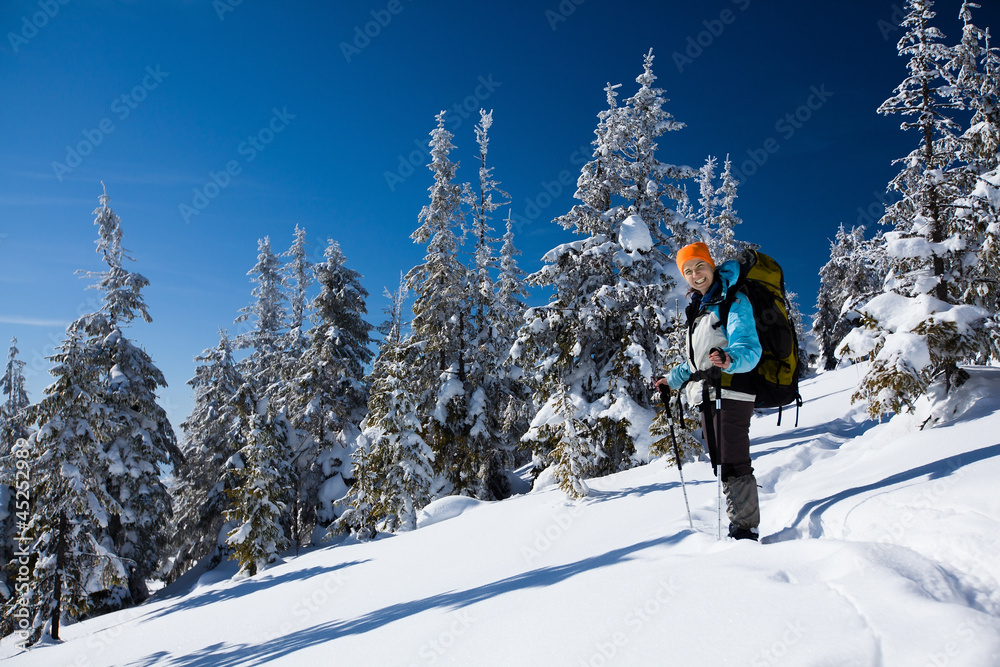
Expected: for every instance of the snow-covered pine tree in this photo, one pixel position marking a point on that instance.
(15, 400)
(265, 321)
(509, 315)
(806, 358)
(13, 427)
(573, 452)
(212, 438)
(685, 209)
(977, 64)
(707, 199)
(137, 438)
(647, 180)
(72, 506)
(603, 330)
(723, 235)
(298, 277)
(485, 388)
(290, 365)
(919, 331)
(851, 277)
(260, 493)
(393, 467)
(441, 326)
(330, 390)
(554, 346)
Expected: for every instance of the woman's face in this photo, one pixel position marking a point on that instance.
(699, 274)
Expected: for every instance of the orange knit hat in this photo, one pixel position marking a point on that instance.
(693, 251)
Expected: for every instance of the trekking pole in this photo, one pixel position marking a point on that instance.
(715, 373)
(665, 397)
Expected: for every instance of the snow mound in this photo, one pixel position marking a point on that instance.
(445, 508)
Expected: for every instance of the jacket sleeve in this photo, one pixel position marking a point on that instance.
(744, 347)
(678, 375)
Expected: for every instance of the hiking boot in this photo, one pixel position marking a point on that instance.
(738, 533)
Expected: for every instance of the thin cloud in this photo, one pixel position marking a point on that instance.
(32, 321)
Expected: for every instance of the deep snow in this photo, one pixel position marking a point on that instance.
(880, 546)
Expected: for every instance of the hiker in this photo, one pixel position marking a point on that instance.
(721, 355)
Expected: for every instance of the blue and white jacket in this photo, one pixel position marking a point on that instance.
(737, 337)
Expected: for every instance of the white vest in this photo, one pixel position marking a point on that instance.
(705, 336)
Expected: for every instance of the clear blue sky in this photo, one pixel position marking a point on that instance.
(213, 124)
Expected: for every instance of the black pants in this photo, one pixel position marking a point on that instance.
(730, 447)
(730, 451)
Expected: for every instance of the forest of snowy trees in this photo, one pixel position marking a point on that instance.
(312, 422)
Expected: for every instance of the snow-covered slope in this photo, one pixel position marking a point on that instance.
(880, 548)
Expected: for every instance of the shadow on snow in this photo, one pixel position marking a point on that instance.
(230, 655)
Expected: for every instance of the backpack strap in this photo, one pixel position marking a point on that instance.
(727, 303)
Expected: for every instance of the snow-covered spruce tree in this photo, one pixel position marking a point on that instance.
(707, 200)
(265, 321)
(646, 181)
(212, 438)
(441, 325)
(722, 234)
(486, 390)
(978, 85)
(72, 556)
(806, 357)
(919, 331)
(509, 315)
(330, 390)
(604, 329)
(137, 438)
(292, 346)
(298, 277)
(851, 277)
(261, 487)
(393, 466)
(15, 400)
(13, 427)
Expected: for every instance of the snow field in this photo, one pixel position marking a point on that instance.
(879, 549)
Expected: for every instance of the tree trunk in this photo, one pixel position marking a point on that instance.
(57, 585)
